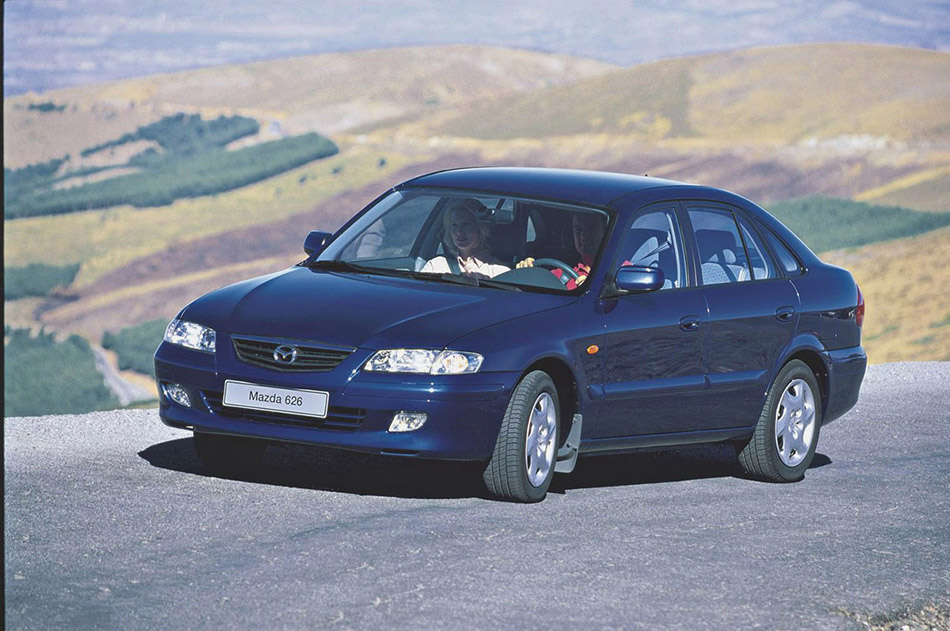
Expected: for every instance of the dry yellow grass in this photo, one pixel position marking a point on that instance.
(777, 95)
(30, 136)
(900, 184)
(905, 288)
(103, 240)
(324, 93)
(789, 93)
(928, 191)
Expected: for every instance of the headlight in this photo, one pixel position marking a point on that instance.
(190, 335)
(422, 361)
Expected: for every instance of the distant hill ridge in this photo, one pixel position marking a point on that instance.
(325, 93)
(778, 94)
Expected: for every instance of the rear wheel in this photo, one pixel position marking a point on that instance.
(786, 435)
(229, 454)
(522, 463)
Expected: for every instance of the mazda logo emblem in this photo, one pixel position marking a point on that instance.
(285, 354)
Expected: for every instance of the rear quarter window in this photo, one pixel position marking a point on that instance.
(784, 254)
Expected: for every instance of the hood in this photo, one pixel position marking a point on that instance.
(357, 310)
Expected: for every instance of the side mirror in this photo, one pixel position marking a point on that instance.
(315, 242)
(639, 278)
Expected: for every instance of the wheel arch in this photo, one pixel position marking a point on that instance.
(566, 384)
(809, 351)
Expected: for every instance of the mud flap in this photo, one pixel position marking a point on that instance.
(567, 455)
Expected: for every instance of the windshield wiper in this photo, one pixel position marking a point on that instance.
(346, 266)
(337, 266)
(471, 281)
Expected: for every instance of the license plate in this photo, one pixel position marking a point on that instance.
(238, 394)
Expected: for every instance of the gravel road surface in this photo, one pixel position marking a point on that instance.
(111, 523)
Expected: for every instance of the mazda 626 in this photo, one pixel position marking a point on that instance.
(520, 317)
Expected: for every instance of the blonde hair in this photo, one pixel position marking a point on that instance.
(471, 206)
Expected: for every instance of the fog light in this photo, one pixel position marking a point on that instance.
(407, 421)
(177, 394)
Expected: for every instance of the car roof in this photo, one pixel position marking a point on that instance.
(571, 185)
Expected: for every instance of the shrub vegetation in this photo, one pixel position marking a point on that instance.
(828, 223)
(136, 345)
(20, 182)
(43, 376)
(47, 106)
(184, 134)
(178, 176)
(36, 279)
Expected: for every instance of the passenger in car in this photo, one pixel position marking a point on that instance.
(588, 231)
(466, 241)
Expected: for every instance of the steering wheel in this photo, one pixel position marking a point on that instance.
(569, 272)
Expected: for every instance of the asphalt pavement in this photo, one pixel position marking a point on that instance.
(111, 523)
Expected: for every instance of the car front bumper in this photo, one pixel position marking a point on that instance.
(464, 411)
(846, 369)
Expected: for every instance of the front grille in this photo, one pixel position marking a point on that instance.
(346, 419)
(309, 358)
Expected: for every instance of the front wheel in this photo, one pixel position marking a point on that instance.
(522, 463)
(786, 435)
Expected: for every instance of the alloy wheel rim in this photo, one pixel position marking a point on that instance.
(795, 422)
(539, 441)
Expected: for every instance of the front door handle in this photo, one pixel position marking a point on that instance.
(785, 314)
(689, 323)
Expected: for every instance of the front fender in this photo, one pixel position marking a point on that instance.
(563, 334)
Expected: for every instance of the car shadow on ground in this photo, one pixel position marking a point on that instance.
(302, 466)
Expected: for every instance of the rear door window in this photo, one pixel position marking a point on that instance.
(762, 266)
(722, 256)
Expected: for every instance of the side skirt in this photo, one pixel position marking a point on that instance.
(627, 443)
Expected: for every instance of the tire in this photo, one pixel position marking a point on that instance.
(793, 407)
(229, 454)
(517, 472)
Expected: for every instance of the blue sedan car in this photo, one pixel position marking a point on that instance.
(520, 317)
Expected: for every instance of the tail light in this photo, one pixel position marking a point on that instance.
(859, 312)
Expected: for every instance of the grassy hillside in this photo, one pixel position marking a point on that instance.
(102, 240)
(836, 120)
(646, 101)
(905, 288)
(167, 177)
(928, 189)
(826, 223)
(781, 94)
(322, 93)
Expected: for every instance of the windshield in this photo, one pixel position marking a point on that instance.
(477, 239)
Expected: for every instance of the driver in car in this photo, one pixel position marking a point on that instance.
(588, 231)
(468, 252)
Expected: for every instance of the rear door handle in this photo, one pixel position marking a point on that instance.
(785, 314)
(689, 323)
